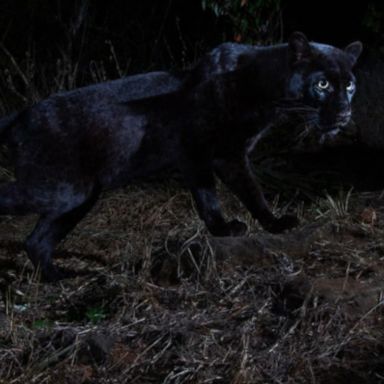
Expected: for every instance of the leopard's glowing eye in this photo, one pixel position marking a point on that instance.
(350, 86)
(323, 84)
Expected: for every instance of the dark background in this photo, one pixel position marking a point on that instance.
(164, 34)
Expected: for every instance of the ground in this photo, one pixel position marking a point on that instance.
(158, 300)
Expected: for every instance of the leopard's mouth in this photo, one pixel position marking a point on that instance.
(329, 126)
(329, 135)
(338, 124)
(329, 129)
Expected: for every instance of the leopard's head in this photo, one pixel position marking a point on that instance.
(321, 81)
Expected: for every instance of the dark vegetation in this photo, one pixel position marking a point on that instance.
(156, 300)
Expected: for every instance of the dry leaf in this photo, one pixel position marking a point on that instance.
(368, 216)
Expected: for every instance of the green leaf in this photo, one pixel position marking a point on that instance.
(95, 314)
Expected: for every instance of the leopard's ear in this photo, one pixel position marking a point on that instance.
(353, 51)
(299, 47)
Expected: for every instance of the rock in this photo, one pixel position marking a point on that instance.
(263, 250)
(355, 297)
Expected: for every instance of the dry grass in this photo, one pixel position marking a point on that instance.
(154, 303)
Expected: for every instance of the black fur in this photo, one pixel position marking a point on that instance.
(71, 146)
